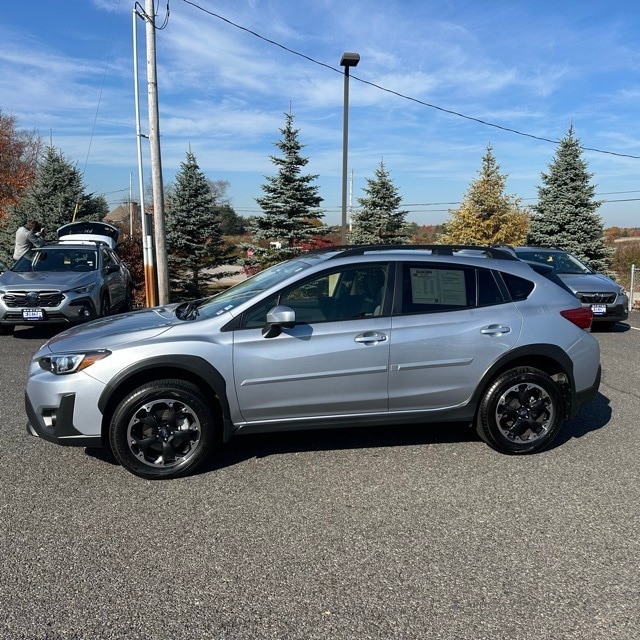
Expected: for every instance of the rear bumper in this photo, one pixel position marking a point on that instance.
(584, 397)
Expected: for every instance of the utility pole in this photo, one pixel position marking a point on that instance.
(151, 298)
(156, 163)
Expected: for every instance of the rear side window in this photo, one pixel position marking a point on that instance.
(519, 288)
(432, 288)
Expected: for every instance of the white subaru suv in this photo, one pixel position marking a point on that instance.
(340, 337)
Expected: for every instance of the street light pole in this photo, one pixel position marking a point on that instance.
(347, 60)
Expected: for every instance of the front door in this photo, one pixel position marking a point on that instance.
(333, 362)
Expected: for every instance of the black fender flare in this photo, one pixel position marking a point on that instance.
(197, 367)
(519, 357)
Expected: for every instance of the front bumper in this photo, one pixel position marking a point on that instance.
(56, 425)
(74, 311)
(617, 312)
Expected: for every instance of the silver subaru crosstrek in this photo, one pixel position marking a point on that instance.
(341, 337)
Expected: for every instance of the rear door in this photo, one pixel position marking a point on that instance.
(452, 323)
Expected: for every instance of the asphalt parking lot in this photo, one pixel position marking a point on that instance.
(413, 532)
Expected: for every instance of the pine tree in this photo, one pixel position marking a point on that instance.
(565, 215)
(194, 243)
(379, 219)
(487, 215)
(54, 198)
(291, 216)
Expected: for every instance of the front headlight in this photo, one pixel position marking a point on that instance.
(65, 363)
(86, 289)
(622, 292)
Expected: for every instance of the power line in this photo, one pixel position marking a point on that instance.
(397, 93)
(104, 77)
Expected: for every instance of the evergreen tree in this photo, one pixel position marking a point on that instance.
(231, 224)
(487, 215)
(565, 215)
(291, 216)
(54, 198)
(194, 242)
(379, 219)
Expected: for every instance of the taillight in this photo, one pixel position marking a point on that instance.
(581, 317)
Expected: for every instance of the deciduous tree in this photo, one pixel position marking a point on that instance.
(487, 214)
(18, 163)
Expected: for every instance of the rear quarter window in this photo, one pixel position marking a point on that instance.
(519, 288)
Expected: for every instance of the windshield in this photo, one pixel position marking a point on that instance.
(57, 259)
(249, 288)
(560, 261)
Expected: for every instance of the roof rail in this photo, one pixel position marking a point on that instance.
(500, 253)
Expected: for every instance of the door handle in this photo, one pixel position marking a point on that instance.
(370, 337)
(495, 330)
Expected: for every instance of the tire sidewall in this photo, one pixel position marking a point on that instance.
(490, 432)
(178, 390)
(105, 305)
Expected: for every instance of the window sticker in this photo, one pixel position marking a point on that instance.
(438, 286)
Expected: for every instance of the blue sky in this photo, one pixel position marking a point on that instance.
(533, 66)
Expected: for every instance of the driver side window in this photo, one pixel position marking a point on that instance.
(332, 296)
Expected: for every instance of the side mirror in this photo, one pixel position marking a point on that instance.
(278, 318)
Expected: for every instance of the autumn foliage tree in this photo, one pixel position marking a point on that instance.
(18, 163)
(487, 214)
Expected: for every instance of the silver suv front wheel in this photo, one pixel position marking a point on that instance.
(163, 429)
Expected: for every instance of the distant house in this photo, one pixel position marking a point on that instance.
(125, 217)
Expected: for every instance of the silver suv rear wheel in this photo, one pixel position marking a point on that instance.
(521, 412)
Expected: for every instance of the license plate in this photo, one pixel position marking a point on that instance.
(599, 309)
(32, 314)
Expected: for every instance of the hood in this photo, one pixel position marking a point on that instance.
(115, 330)
(41, 280)
(589, 282)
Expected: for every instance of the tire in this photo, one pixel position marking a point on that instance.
(127, 305)
(6, 329)
(163, 429)
(521, 412)
(105, 305)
